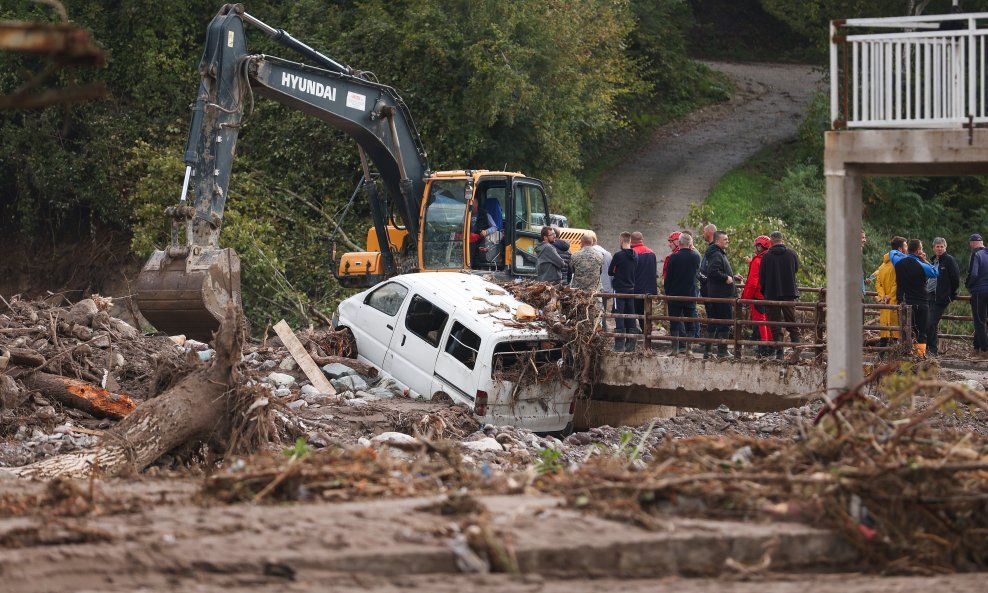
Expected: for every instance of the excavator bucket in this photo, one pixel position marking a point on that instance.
(188, 295)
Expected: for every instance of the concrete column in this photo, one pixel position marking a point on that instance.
(844, 309)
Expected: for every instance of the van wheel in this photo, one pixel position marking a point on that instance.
(559, 434)
(349, 343)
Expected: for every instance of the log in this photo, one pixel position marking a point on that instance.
(24, 357)
(363, 368)
(196, 408)
(80, 395)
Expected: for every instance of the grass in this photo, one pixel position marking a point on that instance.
(740, 194)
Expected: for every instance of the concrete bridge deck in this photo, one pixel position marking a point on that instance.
(654, 378)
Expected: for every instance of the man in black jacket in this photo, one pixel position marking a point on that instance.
(721, 283)
(680, 280)
(942, 290)
(777, 278)
(910, 288)
(622, 273)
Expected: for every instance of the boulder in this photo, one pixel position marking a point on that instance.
(484, 444)
(350, 383)
(337, 370)
(280, 380)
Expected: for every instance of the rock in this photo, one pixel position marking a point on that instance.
(376, 393)
(100, 341)
(297, 404)
(288, 364)
(282, 392)
(118, 360)
(485, 444)
(350, 383)
(280, 379)
(356, 402)
(309, 390)
(364, 442)
(123, 328)
(11, 396)
(318, 440)
(23, 433)
(579, 438)
(337, 370)
(966, 383)
(267, 365)
(82, 333)
(395, 438)
(82, 312)
(45, 413)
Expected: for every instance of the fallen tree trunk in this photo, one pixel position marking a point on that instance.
(196, 408)
(80, 395)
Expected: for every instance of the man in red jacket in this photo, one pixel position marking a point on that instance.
(753, 291)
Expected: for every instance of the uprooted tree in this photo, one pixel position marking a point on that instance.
(201, 407)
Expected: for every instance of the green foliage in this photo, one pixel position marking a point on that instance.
(540, 86)
(550, 461)
(299, 450)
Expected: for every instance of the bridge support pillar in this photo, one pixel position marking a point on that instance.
(844, 275)
(848, 156)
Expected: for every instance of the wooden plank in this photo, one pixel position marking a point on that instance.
(305, 362)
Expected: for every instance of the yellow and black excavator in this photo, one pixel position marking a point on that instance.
(421, 223)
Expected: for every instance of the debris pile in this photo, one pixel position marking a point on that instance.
(911, 497)
(573, 317)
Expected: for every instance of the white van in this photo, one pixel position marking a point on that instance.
(445, 333)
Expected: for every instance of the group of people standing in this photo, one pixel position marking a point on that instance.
(684, 274)
(906, 275)
(927, 287)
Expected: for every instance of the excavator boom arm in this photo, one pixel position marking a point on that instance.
(185, 288)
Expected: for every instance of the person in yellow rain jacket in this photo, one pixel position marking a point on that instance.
(885, 287)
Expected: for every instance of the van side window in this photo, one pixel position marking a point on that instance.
(425, 320)
(388, 298)
(463, 345)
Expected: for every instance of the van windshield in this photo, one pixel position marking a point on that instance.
(527, 361)
(442, 229)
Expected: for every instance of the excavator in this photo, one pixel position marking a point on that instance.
(422, 222)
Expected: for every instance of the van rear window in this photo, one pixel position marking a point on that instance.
(527, 360)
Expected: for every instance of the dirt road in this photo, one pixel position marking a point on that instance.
(652, 191)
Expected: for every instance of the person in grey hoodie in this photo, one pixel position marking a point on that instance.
(549, 264)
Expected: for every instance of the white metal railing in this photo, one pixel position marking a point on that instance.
(927, 73)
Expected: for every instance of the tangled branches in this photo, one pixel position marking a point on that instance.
(572, 317)
(910, 497)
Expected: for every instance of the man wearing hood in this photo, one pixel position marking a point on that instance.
(777, 278)
(549, 264)
(753, 291)
(886, 289)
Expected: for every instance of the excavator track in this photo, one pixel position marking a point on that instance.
(188, 295)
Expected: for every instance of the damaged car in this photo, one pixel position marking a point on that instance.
(456, 335)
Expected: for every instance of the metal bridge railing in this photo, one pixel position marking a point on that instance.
(811, 319)
(908, 72)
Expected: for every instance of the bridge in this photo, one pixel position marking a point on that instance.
(653, 375)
